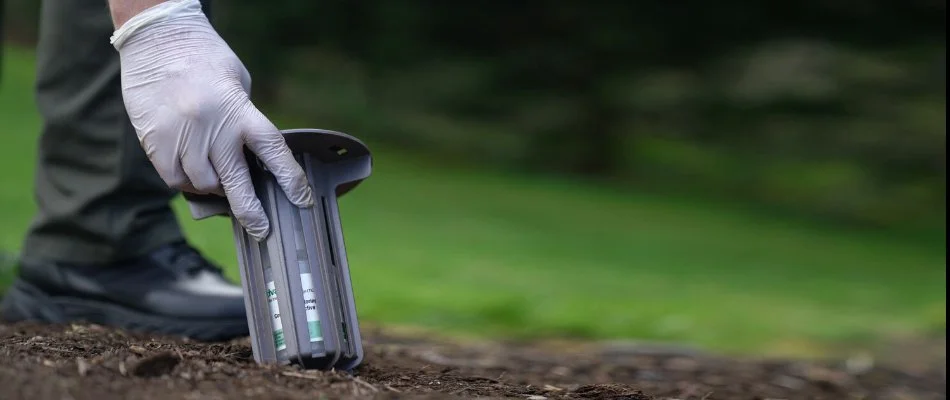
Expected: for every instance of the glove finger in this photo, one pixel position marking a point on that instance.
(235, 179)
(166, 162)
(263, 138)
(203, 177)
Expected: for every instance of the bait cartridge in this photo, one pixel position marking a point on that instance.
(297, 289)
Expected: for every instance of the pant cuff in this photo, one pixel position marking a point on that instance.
(73, 250)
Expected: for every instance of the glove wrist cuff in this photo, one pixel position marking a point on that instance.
(169, 9)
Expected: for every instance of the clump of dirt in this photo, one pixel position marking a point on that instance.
(90, 362)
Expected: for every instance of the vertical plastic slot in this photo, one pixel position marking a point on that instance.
(318, 261)
(354, 350)
(288, 277)
(335, 294)
(278, 338)
(309, 288)
(339, 286)
(252, 277)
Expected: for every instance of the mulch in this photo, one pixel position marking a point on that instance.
(91, 362)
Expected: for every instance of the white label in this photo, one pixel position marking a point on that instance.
(310, 303)
(279, 342)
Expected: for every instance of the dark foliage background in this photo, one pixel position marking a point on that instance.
(827, 108)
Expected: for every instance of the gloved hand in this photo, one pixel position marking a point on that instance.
(187, 94)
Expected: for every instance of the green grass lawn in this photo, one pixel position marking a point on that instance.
(473, 252)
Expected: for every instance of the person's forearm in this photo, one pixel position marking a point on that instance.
(123, 10)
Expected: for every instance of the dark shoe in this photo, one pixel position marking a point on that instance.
(173, 291)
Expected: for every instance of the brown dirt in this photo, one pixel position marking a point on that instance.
(90, 362)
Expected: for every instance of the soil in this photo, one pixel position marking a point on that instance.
(91, 362)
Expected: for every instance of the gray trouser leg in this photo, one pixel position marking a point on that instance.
(99, 199)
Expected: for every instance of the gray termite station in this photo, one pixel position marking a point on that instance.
(297, 289)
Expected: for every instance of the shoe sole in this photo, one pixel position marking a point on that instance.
(25, 302)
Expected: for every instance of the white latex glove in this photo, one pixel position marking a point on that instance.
(187, 95)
